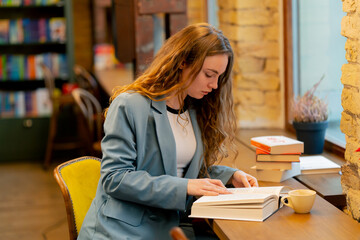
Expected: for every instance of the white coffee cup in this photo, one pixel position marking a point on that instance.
(301, 200)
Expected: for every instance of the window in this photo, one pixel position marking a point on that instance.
(212, 12)
(319, 49)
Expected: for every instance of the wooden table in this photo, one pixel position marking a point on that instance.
(111, 78)
(325, 221)
(327, 185)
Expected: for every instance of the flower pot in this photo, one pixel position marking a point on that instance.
(312, 134)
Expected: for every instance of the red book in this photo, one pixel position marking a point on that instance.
(278, 144)
(31, 67)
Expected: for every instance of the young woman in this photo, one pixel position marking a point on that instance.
(163, 134)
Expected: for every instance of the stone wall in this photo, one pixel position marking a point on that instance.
(196, 11)
(350, 99)
(254, 29)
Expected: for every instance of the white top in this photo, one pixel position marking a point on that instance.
(184, 138)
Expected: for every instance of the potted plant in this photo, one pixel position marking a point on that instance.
(310, 120)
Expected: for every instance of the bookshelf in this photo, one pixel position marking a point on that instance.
(31, 31)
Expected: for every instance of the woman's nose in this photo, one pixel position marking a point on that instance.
(214, 84)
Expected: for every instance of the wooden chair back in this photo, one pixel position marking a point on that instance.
(49, 80)
(78, 180)
(92, 116)
(86, 81)
(177, 233)
(58, 101)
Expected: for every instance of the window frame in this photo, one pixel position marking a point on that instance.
(288, 75)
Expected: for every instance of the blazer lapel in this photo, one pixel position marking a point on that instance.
(194, 168)
(165, 137)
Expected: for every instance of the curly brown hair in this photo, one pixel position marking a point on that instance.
(215, 111)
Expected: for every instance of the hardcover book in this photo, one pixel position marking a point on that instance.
(278, 144)
(274, 165)
(261, 151)
(318, 164)
(247, 204)
(278, 158)
(275, 175)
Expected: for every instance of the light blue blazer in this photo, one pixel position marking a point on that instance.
(139, 195)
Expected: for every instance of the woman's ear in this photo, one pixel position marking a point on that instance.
(182, 66)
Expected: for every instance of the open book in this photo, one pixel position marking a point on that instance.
(248, 204)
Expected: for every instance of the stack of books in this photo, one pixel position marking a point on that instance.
(277, 158)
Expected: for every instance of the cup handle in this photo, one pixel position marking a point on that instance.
(288, 203)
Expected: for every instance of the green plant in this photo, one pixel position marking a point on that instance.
(310, 108)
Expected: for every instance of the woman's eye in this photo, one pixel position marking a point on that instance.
(207, 75)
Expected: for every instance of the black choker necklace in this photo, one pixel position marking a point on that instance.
(175, 111)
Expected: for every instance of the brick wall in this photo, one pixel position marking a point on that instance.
(196, 11)
(350, 99)
(253, 27)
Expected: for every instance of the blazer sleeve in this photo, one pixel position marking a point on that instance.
(222, 173)
(119, 176)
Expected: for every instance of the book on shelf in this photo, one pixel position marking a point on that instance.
(318, 164)
(25, 103)
(27, 67)
(43, 102)
(275, 175)
(247, 204)
(278, 144)
(57, 26)
(4, 30)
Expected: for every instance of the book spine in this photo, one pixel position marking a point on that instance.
(13, 31)
(4, 31)
(38, 71)
(263, 152)
(42, 30)
(21, 59)
(20, 31)
(277, 158)
(4, 67)
(261, 146)
(28, 102)
(31, 67)
(273, 165)
(1, 69)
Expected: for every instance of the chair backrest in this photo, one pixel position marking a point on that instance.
(78, 180)
(91, 111)
(49, 79)
(86, 80)
(177, 233)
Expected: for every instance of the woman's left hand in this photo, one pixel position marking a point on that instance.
(242, 179)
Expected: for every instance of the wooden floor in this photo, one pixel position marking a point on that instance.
(31, 204)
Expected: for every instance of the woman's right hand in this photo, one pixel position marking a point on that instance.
(206, 187)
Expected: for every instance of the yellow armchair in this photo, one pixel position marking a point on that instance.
(78, 180)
